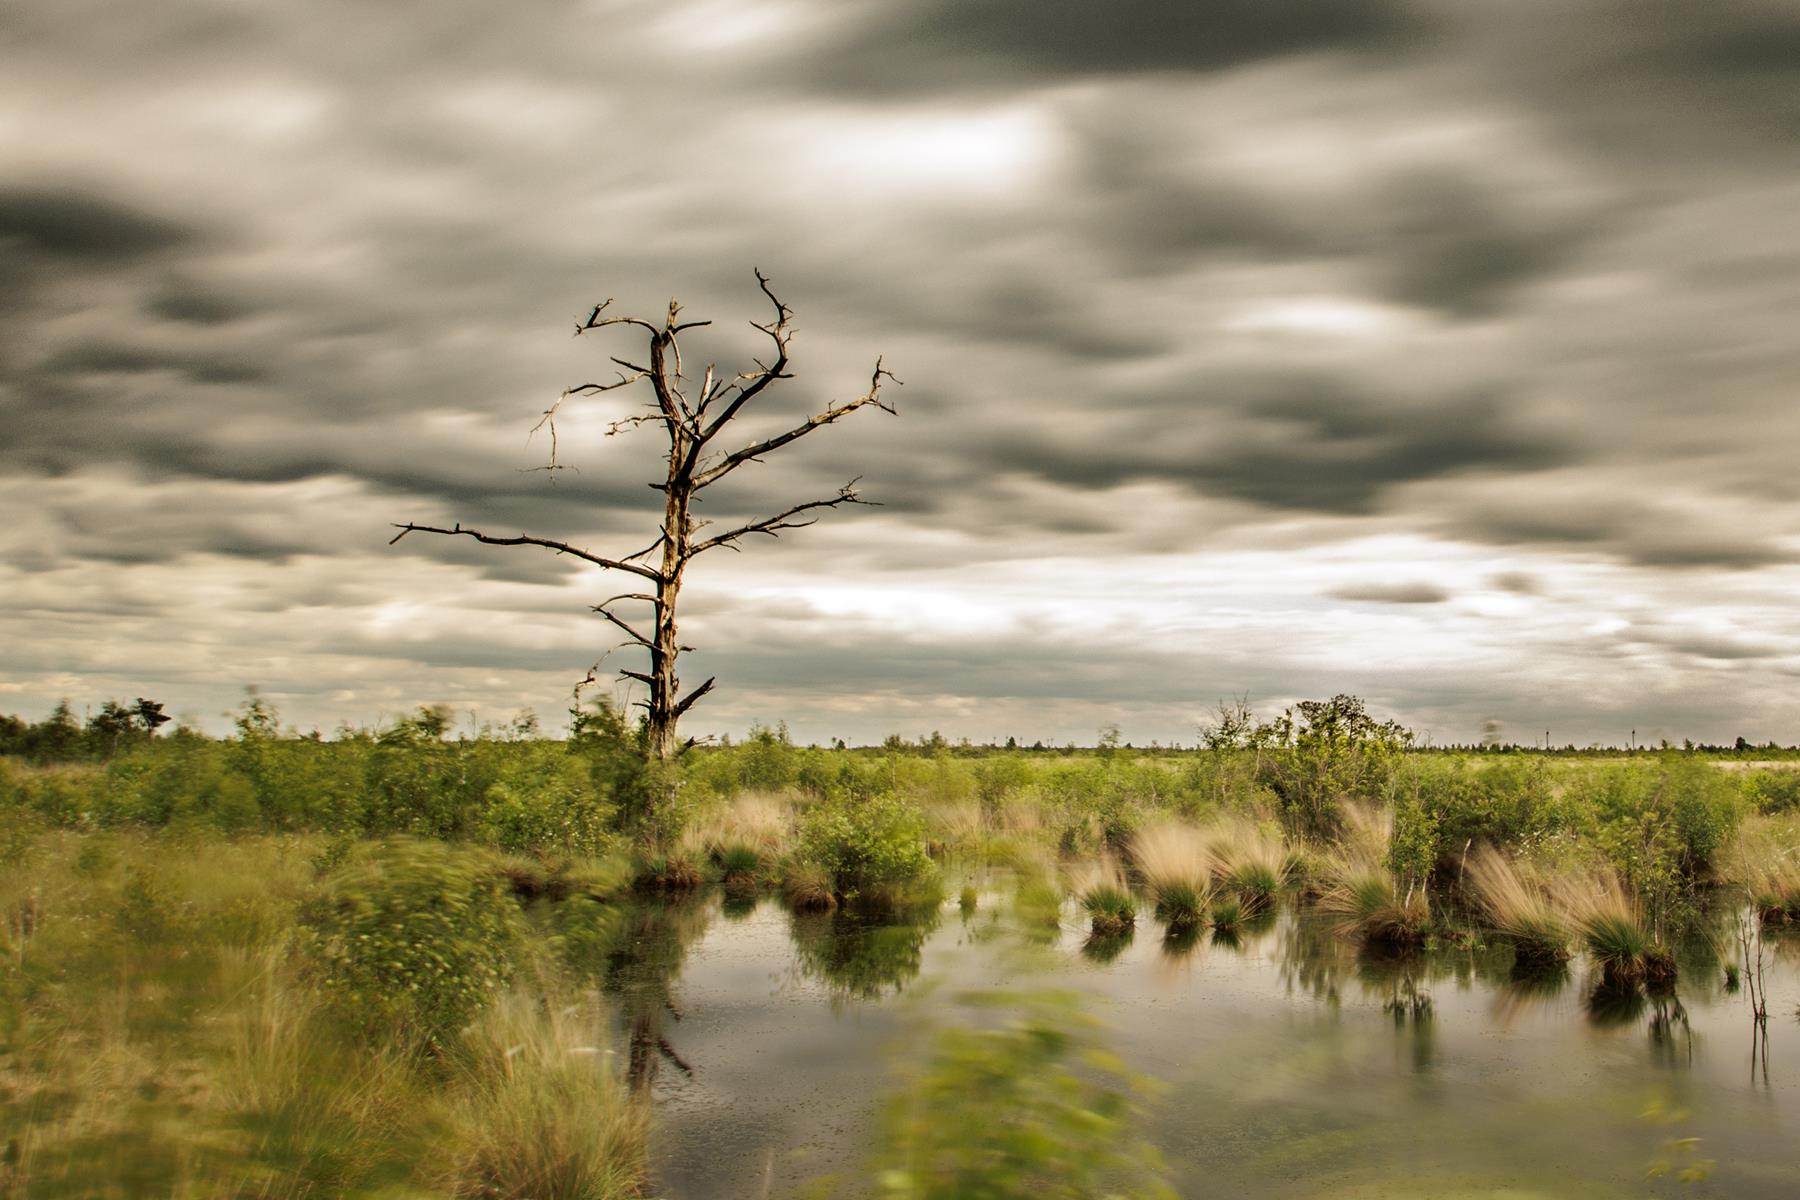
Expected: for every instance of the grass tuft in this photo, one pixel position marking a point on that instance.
(1520, 906)
(1176, 868)
(1611, 925)
(539, 1113)
(1105, 897)
(1368, 907)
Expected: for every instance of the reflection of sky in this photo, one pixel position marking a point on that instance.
(1440, 353)
(1287, 1069)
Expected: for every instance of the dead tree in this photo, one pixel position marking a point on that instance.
(693, 425)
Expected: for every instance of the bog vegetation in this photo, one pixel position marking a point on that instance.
(282, 965)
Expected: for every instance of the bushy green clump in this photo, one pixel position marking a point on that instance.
(414, 938)
(1611, 923)
(807, 887)
(1066, 1112)
(1181, 905)
(543, 799)
(1773, 792)
(1175, 865)
(1518, 904)
(876, 844)
(1038, 903)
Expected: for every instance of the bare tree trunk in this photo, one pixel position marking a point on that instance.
(690, 427)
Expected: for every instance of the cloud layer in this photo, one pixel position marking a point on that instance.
(1433, 351)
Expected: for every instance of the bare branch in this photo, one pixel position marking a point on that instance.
(692, 696)
(611, 564)
(660, 539)
(750, 384)
(633, 634)
(772, 526)
(624, 423)
(647, 599)
(595, 321)
(592, 389)
(731, 462)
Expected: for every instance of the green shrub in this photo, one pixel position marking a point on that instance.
(1773, 792)
(872, 844)
(414, 938)
(1319, 754)
(543, 799)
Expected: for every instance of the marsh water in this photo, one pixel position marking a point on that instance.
(1289, 1064)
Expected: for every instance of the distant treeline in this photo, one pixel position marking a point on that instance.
(117, 727)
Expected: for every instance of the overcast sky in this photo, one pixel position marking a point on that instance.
(1440, 351)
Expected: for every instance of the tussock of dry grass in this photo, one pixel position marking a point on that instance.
(540, 1113)
(1610, 922)
(1177, 868)
(1104, 894)
(1766, 860)
(1521, 906)
(763, 821)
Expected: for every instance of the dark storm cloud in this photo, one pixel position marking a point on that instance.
(194, 305)
(1458, 238)
(1457, 247)
(62, 222)
(1638, 531)
(987, 43)
(1295, 443)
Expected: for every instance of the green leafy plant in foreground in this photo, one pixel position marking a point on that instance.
(1033, 1107)
(415, 938)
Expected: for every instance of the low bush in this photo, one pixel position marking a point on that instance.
(413, 939)
(876, 844)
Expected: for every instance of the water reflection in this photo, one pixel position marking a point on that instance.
(651, 945)
(1179, 943)
(864, 954)
(1105, 947)
(1419, 1083)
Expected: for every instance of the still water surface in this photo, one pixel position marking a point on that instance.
(1291, 1066)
